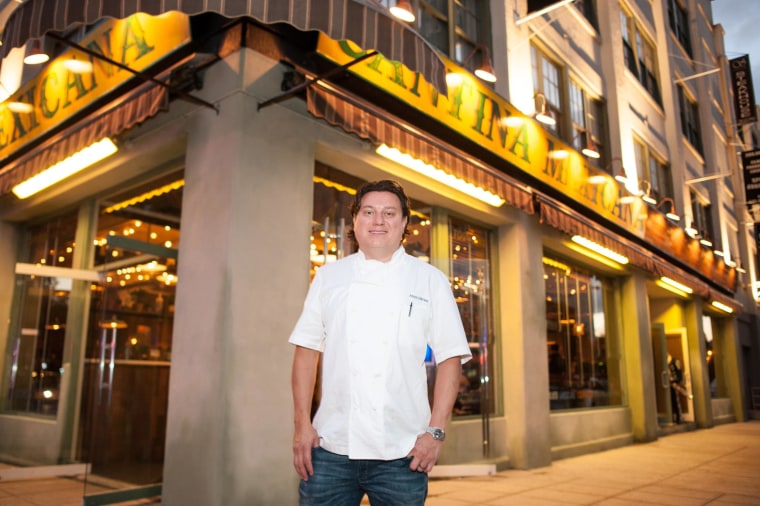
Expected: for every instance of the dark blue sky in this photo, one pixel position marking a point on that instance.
(741, 22)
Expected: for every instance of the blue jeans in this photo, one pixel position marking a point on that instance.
(340, 481)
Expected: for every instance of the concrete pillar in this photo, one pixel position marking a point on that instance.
(700, 377)
(728, 329)
(9, 238)
(639, 358)
(243, 274)
(525, 370)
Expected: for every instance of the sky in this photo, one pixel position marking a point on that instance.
(741, 22)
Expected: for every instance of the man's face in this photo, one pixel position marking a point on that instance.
(379, 225)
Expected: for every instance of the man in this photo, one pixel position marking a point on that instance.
(372, 316)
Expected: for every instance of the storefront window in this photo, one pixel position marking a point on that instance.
(711, 358)
(334, 192)
(470, 281)
(582, 370)
(468, 267)
(38, 325)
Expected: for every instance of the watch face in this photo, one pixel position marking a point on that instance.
(437, 433)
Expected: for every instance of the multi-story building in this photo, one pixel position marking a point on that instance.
(586, 200)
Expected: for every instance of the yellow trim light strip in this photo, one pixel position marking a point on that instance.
(557, 265)
(675, 284)
(65, 168)
(598, 248)
(671, 288)
(439, 175)
(721, 306)
(176, 185)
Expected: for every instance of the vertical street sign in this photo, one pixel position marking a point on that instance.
(744, 93)
(751, 164)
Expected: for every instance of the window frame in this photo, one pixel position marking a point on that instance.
(678, 17)
(689, 116)
(640, 55)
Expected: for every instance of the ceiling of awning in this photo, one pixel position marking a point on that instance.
(352, 20)
(141, 105)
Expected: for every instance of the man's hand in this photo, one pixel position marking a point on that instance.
(425, 453)
(303, 441)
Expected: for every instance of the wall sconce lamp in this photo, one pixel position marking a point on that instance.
(705, 241)
(646, 195)
(589, 149)
(19, 107)
(620, 176)
(65, 168)
(77, 66)
(481, 67)
(543, 113)
(35, 54)
(484, 69)
(667, 206)
(403, 11)
(689, 228)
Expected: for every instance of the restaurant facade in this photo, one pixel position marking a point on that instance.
(149, 296)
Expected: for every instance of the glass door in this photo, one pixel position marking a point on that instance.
(662, 376)
(127, 363)
(127, 356)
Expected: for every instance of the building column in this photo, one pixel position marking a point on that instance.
(523, 355)
(700, 376)
(246, 221)
(731, 349)
(639, 358)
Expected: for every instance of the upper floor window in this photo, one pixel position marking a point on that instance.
(455, 27)
(588, 9)
(654, 172)
(547, 81)
(581, 120)
(588, 119)
(701, 217)
(689, 119)
(679, 24)
(640, 55)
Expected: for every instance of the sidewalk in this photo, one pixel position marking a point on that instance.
(718, 466)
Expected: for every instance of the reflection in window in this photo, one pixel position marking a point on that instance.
(470, 280)
(38, 326)
(581, 372)
(640, 55)
(547, 78)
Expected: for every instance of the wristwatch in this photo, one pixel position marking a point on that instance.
(438, 433)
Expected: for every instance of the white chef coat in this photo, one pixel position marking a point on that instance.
(373, 321)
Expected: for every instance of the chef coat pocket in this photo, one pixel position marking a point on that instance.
(414, 323)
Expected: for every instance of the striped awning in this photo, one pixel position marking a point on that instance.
(364, 25)
(355, 116)
(144, 103)
(563, 218)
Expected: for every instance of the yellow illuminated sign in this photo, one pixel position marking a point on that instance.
(57, 93)
(477, 113)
